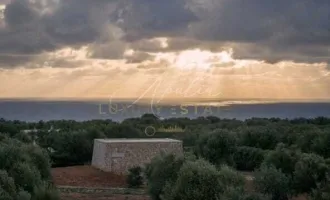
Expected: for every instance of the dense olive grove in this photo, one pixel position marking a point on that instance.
(186, 178)
(24, 172)
(295, 151)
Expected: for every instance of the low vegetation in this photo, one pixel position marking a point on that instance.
(134, 177)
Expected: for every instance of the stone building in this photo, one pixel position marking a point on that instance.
(119, 155)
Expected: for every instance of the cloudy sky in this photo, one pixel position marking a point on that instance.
(178, 49)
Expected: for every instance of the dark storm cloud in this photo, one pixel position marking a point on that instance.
(276, 52)
(154, 18)
(261, 20)
(77, 21)
(25, 40)
(272, 30)
(23, 33)
(261, 29)
(257, 29)
(236, 20)
(18, 13)
(31, 30)
(13, 61)
(284, 28)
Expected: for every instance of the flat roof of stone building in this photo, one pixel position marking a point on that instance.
(124, 140)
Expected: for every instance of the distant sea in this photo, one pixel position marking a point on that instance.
(25, 110)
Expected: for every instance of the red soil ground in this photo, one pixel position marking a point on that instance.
(86, 176)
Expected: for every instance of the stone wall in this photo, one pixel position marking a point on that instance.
(119, 157)
(98, 159)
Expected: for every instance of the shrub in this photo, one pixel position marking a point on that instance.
(71, 148)
(40, 159)
(134, 178)
(11, 153)
(230, 178)
(4, 195)
(320, 144)
(196, 180)
(23, 195)
(322, 192)
(283, 158)
(190, 156)
(45, 191)
(217, 147)
(159, 171)
(248, 158)
(263, 137)
(24, 137)
(272, 181)
(23, 168)
(309, 170)
(7, 184)
(26, 176)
